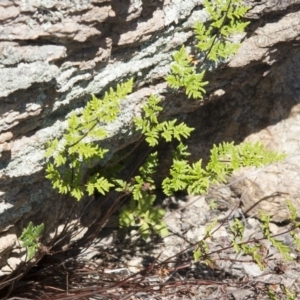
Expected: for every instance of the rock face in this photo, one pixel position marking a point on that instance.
(54, 54)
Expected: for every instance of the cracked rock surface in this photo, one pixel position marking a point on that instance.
(55, 54)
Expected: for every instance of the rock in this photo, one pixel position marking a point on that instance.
(252, 269)
(135, 265)
(274, 229)
(267, 189)
(241, 294)
(5, 136)
(54, 54)
(8, 243)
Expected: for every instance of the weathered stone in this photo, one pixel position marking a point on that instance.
(8, 12)
(5, 136)
(139, 31)
(268, 189)
(12, 53)
(8, 241)
(97, 14)
(54, 54)
(258, 45)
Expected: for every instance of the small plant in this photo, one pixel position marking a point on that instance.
(77, 148)
(294, 223)
(202, 249)
(29, 238)
(279, 245)
(286, 292)
(213, 40)
(250, 247)
(253, 249)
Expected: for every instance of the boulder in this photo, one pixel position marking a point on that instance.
(55, 54)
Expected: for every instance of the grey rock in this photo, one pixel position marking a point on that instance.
(54, 54)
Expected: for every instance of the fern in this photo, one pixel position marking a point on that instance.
(70, 156)
(224, 159)
(140, 211)
(154, 130)
(75, 148)
(281, 247)
(237, 230)
(29, 238)
(202, 248)
(184, 75)
(294, 223)
(214, 40)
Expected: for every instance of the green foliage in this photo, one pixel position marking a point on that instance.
(271, 294)
(213, 40)
(281, 247)
(99, 183)
(213, 204)
(224, 159)
(225, 22)
(202, 249)
(237, 230)
(77, 147)
(30, 237)
(140, 211)
(253, 248)
(294, 223)
(183, 74)
(71, 156)
(288, 293)
(154, 130)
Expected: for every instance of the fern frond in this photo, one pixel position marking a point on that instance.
(78, 146)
